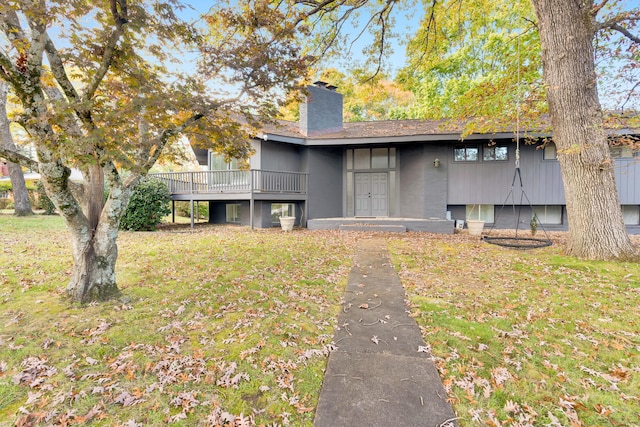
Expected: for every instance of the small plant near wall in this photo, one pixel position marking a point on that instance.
(534, 224)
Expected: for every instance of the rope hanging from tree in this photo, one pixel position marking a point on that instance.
(517, 241)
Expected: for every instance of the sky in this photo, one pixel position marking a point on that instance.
(406, 23)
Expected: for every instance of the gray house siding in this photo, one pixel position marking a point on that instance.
(280, 157)
(628, 180)
(489, 182)
(422, 187)
(325, 190)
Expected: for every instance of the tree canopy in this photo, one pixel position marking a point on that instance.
(101, 89)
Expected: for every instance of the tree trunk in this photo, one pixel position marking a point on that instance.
(94, 237)
(19, 188)
(596, 226)
(22, 204)
(94, 262)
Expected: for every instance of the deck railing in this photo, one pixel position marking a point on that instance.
(234, 181)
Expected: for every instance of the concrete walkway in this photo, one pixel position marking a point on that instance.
(377, 376)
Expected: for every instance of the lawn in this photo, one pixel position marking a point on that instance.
(527, 338)
(221, 324)
(214, 324)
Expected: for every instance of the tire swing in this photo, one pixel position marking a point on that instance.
(518, 242)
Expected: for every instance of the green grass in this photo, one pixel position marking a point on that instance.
(527, 337)
(214, 322)
(223, 323)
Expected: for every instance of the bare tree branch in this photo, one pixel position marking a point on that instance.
(629, 96)
(597, 7)
(57, 67)
(164, 138)
(619, 28)
(15, 157)
(120, 16)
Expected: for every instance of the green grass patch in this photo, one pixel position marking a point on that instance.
(215, 324)
(526, 337)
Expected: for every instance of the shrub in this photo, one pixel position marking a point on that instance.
(148, 205)
(43, 202)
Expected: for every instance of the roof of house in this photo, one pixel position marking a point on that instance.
(385, 131)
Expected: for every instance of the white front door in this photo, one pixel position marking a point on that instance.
(371, 194)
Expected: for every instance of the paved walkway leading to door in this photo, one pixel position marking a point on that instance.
(379, 375)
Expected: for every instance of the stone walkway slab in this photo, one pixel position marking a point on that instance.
(380, 373)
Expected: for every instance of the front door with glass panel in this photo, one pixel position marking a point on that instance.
(371, 195)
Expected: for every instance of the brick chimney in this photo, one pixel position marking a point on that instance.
(322, 110)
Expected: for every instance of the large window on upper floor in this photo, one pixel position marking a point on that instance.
(466, 153)
(549, 151)
(495, 152)
(218, 162)
(371, 158)
(622, 152)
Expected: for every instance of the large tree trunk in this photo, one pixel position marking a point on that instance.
(94, 262)
(22, 204)
(19, 187)
(596, 226)
(94, 237)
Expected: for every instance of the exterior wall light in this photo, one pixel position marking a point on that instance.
(436, 163)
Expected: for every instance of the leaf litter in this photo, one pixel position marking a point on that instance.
(237, 336)
(526, 338)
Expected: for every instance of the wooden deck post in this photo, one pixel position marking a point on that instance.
(251, 201)
(191, 212)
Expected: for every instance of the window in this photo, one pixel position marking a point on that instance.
(494, 152)
(465, 153)
(631, 214)
(233, 212)
(371, 158)
(282, 209)
(548, 214)
(549, 152)
(480, 212)
(619, 152)
(217, 162)
(362, 158)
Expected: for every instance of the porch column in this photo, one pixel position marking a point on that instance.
(191, 212)
(251, 202)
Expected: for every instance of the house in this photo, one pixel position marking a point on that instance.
(406, 174)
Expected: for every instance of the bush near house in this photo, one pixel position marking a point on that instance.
(149, 204)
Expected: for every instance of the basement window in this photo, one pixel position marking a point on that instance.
(282, 209)
(233, 212)
(549, 214)
(480, 212)
(631, 214)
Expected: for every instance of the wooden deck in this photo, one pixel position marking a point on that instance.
(253, 184)
(250, 184)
